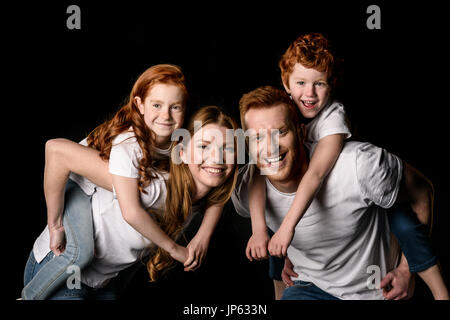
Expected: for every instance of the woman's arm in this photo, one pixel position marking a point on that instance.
(322, 161)
(198, 246)
(63, 156)
(135, 215)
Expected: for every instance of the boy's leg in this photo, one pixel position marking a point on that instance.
(77, 221)
(275, 267)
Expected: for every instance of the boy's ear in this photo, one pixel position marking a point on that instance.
(286, 87)
(139, 104)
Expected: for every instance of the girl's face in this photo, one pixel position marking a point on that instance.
(210, 156)
(309, 89)
(163, 110)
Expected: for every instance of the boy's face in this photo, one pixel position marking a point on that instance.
(309, 89)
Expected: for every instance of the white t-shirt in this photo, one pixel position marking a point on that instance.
(345, 229)
(330, 120)
(117, 244)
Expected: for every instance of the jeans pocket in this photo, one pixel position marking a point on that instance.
(300, 283)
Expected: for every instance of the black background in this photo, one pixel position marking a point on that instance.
(65, 82)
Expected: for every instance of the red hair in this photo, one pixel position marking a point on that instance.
(129, 116)
(311, 50)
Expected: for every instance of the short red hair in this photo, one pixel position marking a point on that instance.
(311, 50)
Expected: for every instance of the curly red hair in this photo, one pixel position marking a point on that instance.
(311, 50)
(129, 116)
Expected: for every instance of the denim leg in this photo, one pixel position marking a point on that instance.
(79, 251)
(412, 237)
(302, 290)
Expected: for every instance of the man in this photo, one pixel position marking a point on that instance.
(341, 246)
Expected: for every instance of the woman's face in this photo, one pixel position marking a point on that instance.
(163, 111)
(210, 156)
(309, 89)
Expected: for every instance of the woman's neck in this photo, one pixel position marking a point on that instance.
(200, 192)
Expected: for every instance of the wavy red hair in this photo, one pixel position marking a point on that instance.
(129, 116)
(311, 50)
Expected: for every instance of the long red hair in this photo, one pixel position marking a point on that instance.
(129, 116)
(181, 190)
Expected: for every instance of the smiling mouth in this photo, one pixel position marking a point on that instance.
(165, 124)
(275, 161)
(309, 104)
(214, 170)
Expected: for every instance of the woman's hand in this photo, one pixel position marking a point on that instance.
(197, 249)
(57, 240)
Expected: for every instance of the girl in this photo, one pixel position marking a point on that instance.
(137, 138)
(308, 75)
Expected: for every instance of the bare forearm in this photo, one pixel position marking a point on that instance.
(306, 191)
(257, 196)
(145, 225)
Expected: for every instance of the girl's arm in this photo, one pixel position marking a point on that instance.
(257, 244)
(198, 246)
(135, 215)
(63, 156)
(322, 161)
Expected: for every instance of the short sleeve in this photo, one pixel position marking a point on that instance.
(335, 122)
(331, 120)
(124, 157)
(379, 174)
(239, 196)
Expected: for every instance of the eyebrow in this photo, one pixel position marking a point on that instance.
(162, 102)
(208, 141)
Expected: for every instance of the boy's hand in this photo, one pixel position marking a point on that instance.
(257, 246)
(280, 242)
(197, 248)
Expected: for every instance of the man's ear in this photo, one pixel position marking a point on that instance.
(139, 104)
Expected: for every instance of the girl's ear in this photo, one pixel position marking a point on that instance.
(139, 104)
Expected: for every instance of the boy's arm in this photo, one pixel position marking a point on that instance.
(198, 246)
(322, 161)
(257, 244)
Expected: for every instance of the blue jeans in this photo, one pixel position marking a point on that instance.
(48, 278)
(275, 264)
(302, 290)
(412, 237)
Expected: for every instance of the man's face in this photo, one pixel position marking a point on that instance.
(275, 159)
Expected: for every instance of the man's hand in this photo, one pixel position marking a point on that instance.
(197, 248)
(398, 284)
(280, 241)
(288, 272)
(57, 240)
(257, 246)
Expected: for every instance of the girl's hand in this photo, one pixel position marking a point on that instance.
(280, 242)
(179, 253)
(257, 246)
(197, 248)
(57, 240)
